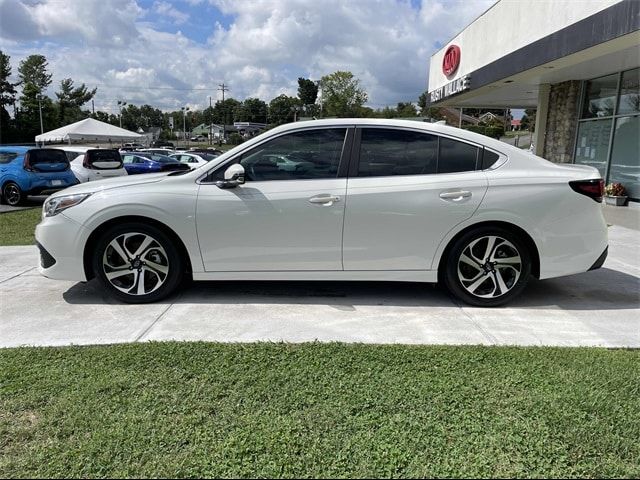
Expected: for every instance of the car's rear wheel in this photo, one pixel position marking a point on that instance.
(487, 267)
(138, 263)
(12, 194)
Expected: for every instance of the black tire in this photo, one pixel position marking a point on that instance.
(12, 194)
(161, 253)
(503, 280)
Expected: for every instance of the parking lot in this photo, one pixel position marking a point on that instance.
(599, 308)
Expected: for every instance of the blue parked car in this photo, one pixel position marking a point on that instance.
(32, 171)
(141, 162)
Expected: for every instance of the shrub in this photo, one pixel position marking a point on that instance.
(235, 139)
(615, 190)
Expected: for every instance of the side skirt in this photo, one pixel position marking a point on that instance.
(427, 276)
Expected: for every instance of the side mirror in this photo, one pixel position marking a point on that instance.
(233, 176)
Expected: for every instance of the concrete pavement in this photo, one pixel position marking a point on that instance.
(599, 308)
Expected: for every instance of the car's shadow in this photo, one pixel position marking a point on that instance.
(603, 289)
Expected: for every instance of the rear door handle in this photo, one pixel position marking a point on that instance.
(324, 199)
(455, 195)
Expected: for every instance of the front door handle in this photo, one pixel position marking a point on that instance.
(456, 195)
(324, 199)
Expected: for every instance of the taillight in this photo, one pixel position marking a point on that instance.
(591, 188)
(26, 164)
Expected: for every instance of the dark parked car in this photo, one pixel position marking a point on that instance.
(32, 171)
(142, 162)
(161, 143)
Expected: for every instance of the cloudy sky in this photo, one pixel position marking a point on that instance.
(171, 53)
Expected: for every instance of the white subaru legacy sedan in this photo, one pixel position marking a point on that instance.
(343, 199)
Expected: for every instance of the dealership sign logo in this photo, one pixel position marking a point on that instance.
(458, 85)
(451, 60)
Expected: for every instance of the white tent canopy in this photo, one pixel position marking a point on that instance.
(89, 130)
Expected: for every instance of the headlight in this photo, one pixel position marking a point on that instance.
(54, 206)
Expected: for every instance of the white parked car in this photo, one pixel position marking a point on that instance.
(342, 199)
(194, 160)
(90, 164)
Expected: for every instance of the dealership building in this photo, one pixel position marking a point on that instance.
(576, 62)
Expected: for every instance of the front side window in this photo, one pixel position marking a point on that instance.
(387, 152)
(456, 156)
(311, 154)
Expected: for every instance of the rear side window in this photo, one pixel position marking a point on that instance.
(456, 156)
(47, 155)
(7, 157)
(386, 152)
(72, 155)
(488, 159)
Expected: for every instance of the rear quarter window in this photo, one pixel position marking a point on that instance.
(7, 157)
(489, 158)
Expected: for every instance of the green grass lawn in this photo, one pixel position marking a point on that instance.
(18, 228)
(318, 410)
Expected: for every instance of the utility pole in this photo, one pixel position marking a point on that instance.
(460, 122)
(40, 108)
(184, 123)
(210, 122)
(93, 108)
(223, 88)
(120, 105)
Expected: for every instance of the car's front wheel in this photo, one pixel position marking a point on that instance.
(487, 267)
(12, 194)
(138, 263)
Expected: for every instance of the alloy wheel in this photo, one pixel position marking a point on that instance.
(12, 194)
(489, 267)
(135, 263)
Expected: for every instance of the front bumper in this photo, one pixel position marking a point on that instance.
(63, 241)
(600, 261)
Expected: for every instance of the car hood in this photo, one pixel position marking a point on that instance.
(110, 183)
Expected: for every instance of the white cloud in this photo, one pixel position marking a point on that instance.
(116, 46)
(166, 9)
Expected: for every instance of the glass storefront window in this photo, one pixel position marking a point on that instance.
(593, 144)
(600, 98)
(629, 101)
(625, 155)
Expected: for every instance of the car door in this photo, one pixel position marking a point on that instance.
(288, 215)
(406, 190)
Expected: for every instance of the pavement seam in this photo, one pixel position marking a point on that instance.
(17, 275)
(148, 329)
(487, 335)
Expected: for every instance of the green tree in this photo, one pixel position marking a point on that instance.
(406, 109)
(308, 94)
(224, 112)
(35, 79)
(252, 110)
(530, 113)
(281, 109)
(342, 95)
(33, 70)
(7, 97)
(71, 99)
